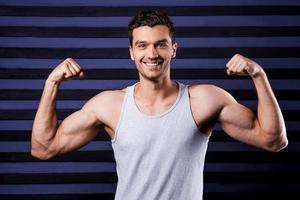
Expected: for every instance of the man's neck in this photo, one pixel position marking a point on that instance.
(155, 91)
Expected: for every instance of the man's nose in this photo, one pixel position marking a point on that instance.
(152, 52)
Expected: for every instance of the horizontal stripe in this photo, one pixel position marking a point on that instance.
(220, 52)
(108, 156)
(202, 63)
(77, 104)
(123, 21)
(87, 94)
(27, 125)
(224, 188)
(94, 167)
(121, 32)
(124, 43)
(132, 74)
(60, 196)
(26, 146)
(207, 195)
(59, 167)
(110, 188)
(292, 84)
(289, 115)
(217, 136)
(111, 177)
(25, 135)
(58, 189)
(67, 104)
(96, 11)
(145, 3)
(106, 145)
(250, 167)
(214, 196)
(77, 156)
(55, 178)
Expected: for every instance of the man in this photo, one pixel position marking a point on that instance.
(159, 128)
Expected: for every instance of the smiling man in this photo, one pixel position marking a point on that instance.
(159, 128)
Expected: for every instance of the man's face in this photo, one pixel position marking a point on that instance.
(152, 50)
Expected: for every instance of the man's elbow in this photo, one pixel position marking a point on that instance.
(277, 144)
(41, 155)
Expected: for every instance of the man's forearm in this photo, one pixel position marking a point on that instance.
(46, 123)
(268, 111)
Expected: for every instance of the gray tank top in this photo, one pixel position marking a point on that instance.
(159, 157)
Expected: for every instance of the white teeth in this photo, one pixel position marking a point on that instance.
(151, 64)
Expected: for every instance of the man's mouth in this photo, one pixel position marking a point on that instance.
(151, 64)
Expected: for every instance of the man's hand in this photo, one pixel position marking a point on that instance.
(66, 70)
(241, 65)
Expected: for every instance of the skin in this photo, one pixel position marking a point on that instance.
(152, 51)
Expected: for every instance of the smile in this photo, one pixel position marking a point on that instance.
(151, 64)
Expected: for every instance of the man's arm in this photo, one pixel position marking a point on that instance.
(264, 129)
(48, 137)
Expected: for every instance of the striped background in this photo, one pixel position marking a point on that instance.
(37, 35)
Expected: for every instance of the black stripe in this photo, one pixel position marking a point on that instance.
(289, 115)
(111, 177)
(217, 136)
(97, 11)
(88, 32)
(211, 157)
(123, 53)
(87, 94)
(59, 178)
(132, 74)
(221, 136)
(26, 136)
(251, 177)
(238, 195)
(36, 94)
(104, 196)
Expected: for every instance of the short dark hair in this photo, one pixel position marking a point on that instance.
(151, 18)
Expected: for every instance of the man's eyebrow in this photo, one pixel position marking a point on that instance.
(162, 41)
(139, 42)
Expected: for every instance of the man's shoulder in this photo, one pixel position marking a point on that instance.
(209, 93)
(203, 89)
(110, 96)
(107, 99)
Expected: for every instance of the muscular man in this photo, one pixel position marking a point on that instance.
(159, 128)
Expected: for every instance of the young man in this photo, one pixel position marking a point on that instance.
(159, 128)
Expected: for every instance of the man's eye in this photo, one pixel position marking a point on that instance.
(141, 46)
(162, 45)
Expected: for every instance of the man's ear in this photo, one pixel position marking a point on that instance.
(131, 53)
(174, 46)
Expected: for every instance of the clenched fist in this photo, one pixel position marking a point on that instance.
(66, 70)
(241, 65)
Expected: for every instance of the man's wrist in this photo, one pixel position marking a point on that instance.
(51, 82)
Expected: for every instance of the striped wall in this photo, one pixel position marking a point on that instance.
(37, 35)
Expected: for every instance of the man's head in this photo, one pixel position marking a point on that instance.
(152, 44)
(151, 18)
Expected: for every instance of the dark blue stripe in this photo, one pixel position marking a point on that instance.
(146, 3)
(119, 84)
(123, 42)
(58, 189)
(60, 167)
(16, 105)
(201, 63)
(106, 145)
(6, 125)
(265, 21)
(110, 188)
(77, 104)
